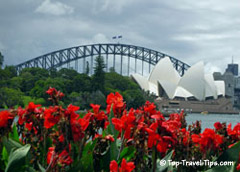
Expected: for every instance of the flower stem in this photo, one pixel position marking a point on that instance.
(121, 148)
(154, 159)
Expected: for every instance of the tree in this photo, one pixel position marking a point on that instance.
(99, 75)
(87, 68)
(1, 60)
(10, 97)
(81, 83)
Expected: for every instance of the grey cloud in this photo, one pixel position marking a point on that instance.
(186, 29)
(54, 8)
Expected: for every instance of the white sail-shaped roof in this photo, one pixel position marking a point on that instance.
(153, 88)
(220, 85)
(210, 87)
(164, 70)
(142, 81)
(193, 81)
(168, 87)
(164, 80)
(181, 92)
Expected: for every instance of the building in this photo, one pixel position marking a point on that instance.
(195, 91)
(233, 68)
(232, 83)
(165, 81)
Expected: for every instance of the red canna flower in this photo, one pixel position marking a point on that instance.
(50, 155)
(125, 123)
(21, 115)
(33, 108)
(78, 128)
(64, 158)
(61, 138)
(235, 132)
(95, 108)
(208, 140)
(51, 91)
(51, 117)
(115, 100)
(218, 126)
(113, 166)
(125, 166)
(4, 117)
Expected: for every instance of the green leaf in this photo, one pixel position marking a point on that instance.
(10, 144)
(222, 168)
(41, 168)
(111, 130)
(4, 155)
(127, 153)
(85, 164)
(165, 167)
(17, 158)
(14, 134)
(231, 154)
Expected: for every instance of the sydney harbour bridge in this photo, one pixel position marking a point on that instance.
(125, 59)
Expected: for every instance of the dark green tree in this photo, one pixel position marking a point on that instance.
(87, 68)
(10, 97)
(1, 60)
(99, 75)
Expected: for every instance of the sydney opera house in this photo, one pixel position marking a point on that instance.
(195, 90)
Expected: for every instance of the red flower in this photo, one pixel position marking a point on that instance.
(61, 138)
(51, 91)
(78, 128)
(50, 155)
(54, 93)
(125, 123)
(185, 136)
(64, 158)
(208, 140)
(4, 117)
(125, 166)
(33, 108)
(150, 108)
(21, 117)
(113, 166)
(110, 138)
(218, 126)
(115, 100)
(51, 117)
(235, 133)
(95, 108)
(71, 112)
(238, 167)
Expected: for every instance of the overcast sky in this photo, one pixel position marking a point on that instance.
(189, 30)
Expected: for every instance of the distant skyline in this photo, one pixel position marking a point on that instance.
(207, 30)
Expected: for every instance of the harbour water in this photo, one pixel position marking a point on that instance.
(208, 120)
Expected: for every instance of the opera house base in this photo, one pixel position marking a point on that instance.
(219, 106)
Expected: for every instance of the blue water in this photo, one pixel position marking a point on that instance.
(210, 119)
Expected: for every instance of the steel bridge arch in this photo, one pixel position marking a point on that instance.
(65, 56)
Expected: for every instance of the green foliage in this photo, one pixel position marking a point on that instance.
(99, 75)
(80, 89)
(166, 167)
(81, 83)
(134, 98)
(87, 68)
(27, 99)
(8, 97)
(1, 60)
(17, 158)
